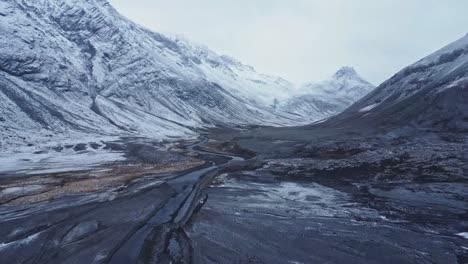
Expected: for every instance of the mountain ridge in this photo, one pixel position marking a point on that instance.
(329, 97)
(81, 68)
(431, 93)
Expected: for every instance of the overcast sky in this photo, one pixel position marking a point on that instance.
(305, 40)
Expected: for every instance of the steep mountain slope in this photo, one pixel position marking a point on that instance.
(76, 69)
(330, 97)
(432, 93)
(80, 67)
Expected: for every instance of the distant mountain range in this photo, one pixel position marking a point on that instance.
(75, 68)
(327, 98)
(431, 94)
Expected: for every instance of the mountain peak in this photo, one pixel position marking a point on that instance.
(345, 71)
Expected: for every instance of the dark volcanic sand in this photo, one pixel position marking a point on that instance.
(302, 196)
(323, 197)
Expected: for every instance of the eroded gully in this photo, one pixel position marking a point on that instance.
(162, 238)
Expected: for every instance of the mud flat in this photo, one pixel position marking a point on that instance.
(322, 198)
(256, 195)
(91, 215)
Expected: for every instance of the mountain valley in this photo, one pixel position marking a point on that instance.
(122, 145)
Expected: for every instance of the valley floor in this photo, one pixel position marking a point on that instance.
(254, 196)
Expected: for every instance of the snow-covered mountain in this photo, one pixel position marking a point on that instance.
(323, 99)
(80, 67)
(72, 69)
(432, 93)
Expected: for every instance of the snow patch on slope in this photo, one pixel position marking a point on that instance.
(368, 108)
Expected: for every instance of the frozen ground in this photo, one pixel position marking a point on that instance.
(339, 198)
(293, 200)
(50, 157)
